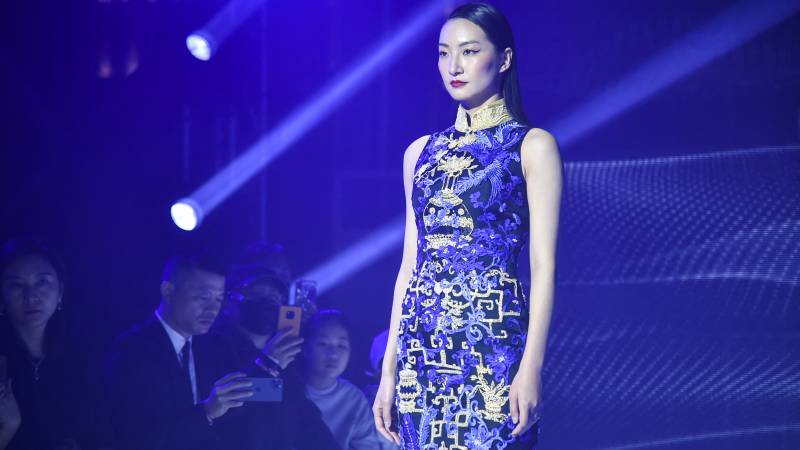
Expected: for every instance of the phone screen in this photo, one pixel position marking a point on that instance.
(305, 291)
(266, 390)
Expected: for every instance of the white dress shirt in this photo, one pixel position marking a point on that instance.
(178, 341)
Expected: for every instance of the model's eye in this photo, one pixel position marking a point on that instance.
(470, 51)
(442, 53)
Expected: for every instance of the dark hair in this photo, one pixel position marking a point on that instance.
(179, 265)
(498, 30)
(324, 318)
(263, 261)
(15, 249)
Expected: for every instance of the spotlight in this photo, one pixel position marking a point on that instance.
(203, 43)
(186, 214)
(273, 143)
(200, 45)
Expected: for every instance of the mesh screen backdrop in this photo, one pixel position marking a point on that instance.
(677, 313)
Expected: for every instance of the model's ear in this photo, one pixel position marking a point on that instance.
(167, 291)
(506, 57)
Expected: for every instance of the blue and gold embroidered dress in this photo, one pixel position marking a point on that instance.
(464, 314)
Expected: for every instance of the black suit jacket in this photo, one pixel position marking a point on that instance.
(149, 396)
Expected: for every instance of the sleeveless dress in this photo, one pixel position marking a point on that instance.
(464, 314)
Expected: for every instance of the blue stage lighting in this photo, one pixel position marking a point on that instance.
(728, 30)
(321, 104)
(731, 28)
(200, 45)
(357, 256)
(186, 214)
(204, 43)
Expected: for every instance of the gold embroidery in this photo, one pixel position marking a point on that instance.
(408, 391)
(487, 116)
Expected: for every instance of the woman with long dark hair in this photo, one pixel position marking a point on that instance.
(465, 351)
(57, 401)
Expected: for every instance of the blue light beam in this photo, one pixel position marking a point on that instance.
(357, 256)
(270, 146)
(729, 29)
(205, 42)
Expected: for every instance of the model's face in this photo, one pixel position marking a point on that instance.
(469, 64)
(31, 291)
(329, 351)
(194, 300)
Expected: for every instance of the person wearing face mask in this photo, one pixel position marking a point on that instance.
(247, 339)
(466, 346)
(47, 399)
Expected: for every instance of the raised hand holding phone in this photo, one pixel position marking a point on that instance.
(283, 347)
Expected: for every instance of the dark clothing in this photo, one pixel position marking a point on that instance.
(293, 423)
(150, 397)
(57, 396)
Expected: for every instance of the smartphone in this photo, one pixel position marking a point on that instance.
(305, 291)
(289, 318)
(265, 390)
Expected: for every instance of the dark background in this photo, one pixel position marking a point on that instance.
(107, 120)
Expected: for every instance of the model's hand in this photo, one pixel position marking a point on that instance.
(382, 408)
(523, 399)
(283, 348)
(228, 392)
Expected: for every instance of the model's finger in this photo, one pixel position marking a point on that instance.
(386, 414)
(377, 417)
(514, 408)
(522, 426)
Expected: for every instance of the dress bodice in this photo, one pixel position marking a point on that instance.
(469, 194)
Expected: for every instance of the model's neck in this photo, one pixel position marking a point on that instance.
(472, 107)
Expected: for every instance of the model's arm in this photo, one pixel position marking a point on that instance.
(542, 169)
(385, 397)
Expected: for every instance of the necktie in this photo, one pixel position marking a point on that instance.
(186, 352)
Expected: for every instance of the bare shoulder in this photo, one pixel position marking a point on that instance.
(539, 141)
(413, 151)
(539, 151)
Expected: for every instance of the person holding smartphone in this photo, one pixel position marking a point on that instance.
(248, 338)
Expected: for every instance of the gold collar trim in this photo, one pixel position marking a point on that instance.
(487, 116)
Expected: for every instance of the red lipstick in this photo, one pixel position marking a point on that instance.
(457, 83)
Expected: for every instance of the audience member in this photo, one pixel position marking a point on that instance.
(344, 408)
(154, 373)
(247, 337)
(49, 400)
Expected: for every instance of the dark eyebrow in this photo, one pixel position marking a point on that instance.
(442, 44)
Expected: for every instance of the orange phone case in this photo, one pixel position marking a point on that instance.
(289, 318)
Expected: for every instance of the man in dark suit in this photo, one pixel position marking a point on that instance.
(152, 376)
